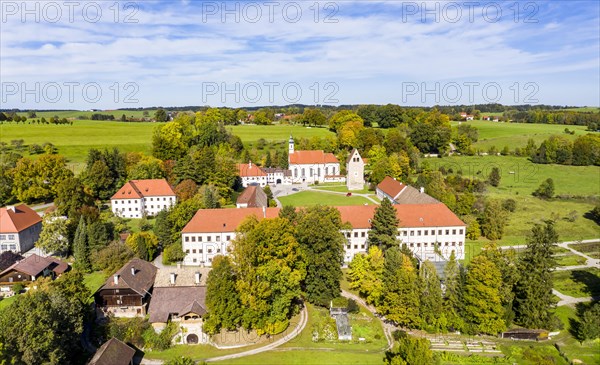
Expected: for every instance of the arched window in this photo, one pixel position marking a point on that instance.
(295, 172)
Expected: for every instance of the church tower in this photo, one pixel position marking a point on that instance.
(291, 145)
(355, 170)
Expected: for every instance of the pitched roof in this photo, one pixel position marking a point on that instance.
(224, 220)
(33, 265)
(253, 196)
(352, 154)
(411, 195)
(250, 169)
(113, 352)
(275, 170)
(391, 187)
(136, 189)
(14, 219)
(312, 157)
(184, 276)
(409, 215)
(176, 300)
(8, 258)
(141, 282)
(359, 216)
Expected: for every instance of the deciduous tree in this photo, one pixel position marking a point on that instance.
(222, 298)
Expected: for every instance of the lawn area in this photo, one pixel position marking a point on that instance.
(7, 301)
(276, 132)
(306, 198)
(588, 352)
(517, 134)
(344, 189)
(363, 323)
(309, 357)
(578, 283)
(570, 260)
(94, 280)
(88, 114)
(526, 178)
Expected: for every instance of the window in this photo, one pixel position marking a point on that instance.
(412, 244)
(200, 251)
(460, 231)
(130, 209)
(356, 234)
(2, 237)
(210, 250)
(193, 238)
(418, 232)
(194, 260)
(356, 247)
(446, 244)
(348, 234)
(228, 238)
(208, 239)
(460, 243)
(199, 238)
(4, 247)
(187, 251)
(412, 233)
(136, 209)
(187, 239)
(164, 199)
(426, 232)
(425, 244)
(404, 233)
(150, 199)
(311, 172)
(363, 234)
(454, 231)
(362, 246)
(348, 247)
(194, 251)
(218, 239)
(440, 232)
(433, 232)
(447, 232)
(152, 206)
(418, 244)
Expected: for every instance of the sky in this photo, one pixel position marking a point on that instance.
(109, 55)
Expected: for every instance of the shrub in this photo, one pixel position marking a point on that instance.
(545, 190)
(353, 307)
(173, 253)
(129, 330)
(160, 341)
(510, 205)
(17, 288)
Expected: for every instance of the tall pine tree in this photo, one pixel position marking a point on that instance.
(483, 304)
(384, 226)
(80, 246)
(453, 301)
(431, 298)
(401, 299)
(534, 301)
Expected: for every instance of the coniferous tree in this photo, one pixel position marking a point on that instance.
(483, 304)
(494, 177)
(322, 244)
(222, 297)
(401, 300)
(431, 298)
(384, 226)
(588, 326)
(453, 286)
(80, 246)
(268, 161)
(534, 301)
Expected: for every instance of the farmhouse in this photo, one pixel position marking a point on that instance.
(140, 198)
(425, 228)
(313, 166)
(128, 291)
(30, 269)
(399, 193)
(20, 228)
(252, 197)
(113, 352)
(179, 296)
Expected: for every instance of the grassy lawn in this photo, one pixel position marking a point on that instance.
(7, 301)
(94, 280)
(134, 223)
(570, 260)
(578, 283)
(307, 198)
(344, 189)
(309, 357)
(526, 178)
(517, 134)
(587, 352)
(363, 324)
(276, 132)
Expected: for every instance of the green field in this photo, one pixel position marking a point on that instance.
(88, 114)
(306, 198)
(578, 283)
(309, 357)
(526, 178)
(517, 134)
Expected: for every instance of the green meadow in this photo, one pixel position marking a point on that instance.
(517, 134)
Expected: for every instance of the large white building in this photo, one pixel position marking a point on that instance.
(313, 166)
(422, 227)
(20, 228)
(141, 198)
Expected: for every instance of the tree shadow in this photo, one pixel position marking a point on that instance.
(591, 281)
(591, 216)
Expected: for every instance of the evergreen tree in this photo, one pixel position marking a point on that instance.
(401, 300)
(268, 161)
(222, 298)
(534, 301)
(80, 247)
(289, 212)
(453, 296)
(384, 226)
(494, 177)
(162, 228)
(588, 326)
(505, 261)
(322, 244)
(431, 298)
(483, 304)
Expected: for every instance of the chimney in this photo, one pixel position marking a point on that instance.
(264, 212)
(249, 164)
(116, 279)
(422, 190)
(197, 277)
(172, 276)
(10, 207)
(133, 271)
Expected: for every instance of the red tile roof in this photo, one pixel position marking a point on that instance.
(253, 196)
(18, 218)
(391, 187)
(136, 189)
(224, 220)
(312, 157)
(250, 169)
(359, 216)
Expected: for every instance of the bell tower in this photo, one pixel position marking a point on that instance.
(291, 145)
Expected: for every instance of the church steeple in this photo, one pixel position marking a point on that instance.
(291, 145)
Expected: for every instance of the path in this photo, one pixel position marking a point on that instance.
(366, 196)
(271, 346)
(568, 300)
(590, 261)
(387, 328)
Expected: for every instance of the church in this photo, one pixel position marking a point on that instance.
(313, 166)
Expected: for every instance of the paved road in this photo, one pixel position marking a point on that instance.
(568, 300)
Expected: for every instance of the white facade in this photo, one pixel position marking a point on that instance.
(310, 173)
(254, 180)
(355, 171)
(201, 248)
(141, 207)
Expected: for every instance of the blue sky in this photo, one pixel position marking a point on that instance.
(176, 53)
